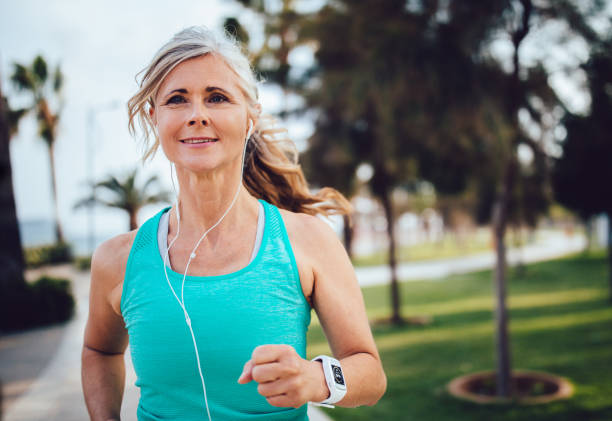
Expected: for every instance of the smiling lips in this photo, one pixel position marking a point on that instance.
(197, 140)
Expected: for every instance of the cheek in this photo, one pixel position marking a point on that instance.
(167, 122)
(230, 124)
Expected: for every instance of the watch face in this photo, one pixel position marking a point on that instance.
(338, 378)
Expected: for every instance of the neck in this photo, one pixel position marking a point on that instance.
(205, 198)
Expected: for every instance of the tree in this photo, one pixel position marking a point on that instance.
(11, 255)
(124, 194)
(384, 97)
(412, 89)
(44, 89)
(580, 173)
(333, 164)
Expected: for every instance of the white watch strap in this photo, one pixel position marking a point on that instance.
(334, 378)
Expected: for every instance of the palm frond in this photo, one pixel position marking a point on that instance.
(152, 180)
(157, 198)
(127, 195)
(58, 80)
(39, 69)
(85, 202)
(22, 79)
(14, 116)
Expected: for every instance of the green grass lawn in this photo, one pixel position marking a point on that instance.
(560, 322)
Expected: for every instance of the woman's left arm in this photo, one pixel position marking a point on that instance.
(284, 378)
(339, 304)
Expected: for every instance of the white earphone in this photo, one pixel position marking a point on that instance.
(192, 256)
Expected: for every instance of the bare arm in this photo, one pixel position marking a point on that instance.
(339, 304)
(103, 368)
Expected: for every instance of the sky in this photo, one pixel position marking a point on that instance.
(100, 46)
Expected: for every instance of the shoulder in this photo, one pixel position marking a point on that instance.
(110, 258)
(105, 330)
(311, 234)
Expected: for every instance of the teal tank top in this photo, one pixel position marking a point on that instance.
(231, 314)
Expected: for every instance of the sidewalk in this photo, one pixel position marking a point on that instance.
(53, 356)
(554, 245)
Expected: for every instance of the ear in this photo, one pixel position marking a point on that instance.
(152, 115)
(255, 117)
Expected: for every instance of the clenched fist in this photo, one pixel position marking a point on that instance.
(285, 379)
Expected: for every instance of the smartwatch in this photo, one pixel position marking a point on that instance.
(334, 379)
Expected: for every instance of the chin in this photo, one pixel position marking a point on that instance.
(201, 165)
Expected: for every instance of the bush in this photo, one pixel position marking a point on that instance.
(49, 254)
(83, 262)
(43, 302)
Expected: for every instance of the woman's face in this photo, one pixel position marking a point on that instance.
(201, 115)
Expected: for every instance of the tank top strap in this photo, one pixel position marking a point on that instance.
(141, 252)
(279, 241)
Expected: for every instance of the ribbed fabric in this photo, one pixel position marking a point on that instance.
(162, 234)
(231, 314)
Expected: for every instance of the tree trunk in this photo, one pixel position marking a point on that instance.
(347, 231)
(500, 211)
(11, 254)
(500, 216)
(609, 214)
(59, 235)
(588, 226)
(133, 220)
(396, 317)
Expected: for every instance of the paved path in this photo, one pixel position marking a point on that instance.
(552, 245)
(53, 393)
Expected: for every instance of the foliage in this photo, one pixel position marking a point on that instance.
(560, 323)
(83, 262)
(580, 172)
(47, 255)
(45, 89)
(123, 193)
(43, 302)
(11, 257)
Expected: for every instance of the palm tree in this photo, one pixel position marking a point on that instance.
(44, 89)
(125, 195)
(11, 256)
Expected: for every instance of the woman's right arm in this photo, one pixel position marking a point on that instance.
(103, 367)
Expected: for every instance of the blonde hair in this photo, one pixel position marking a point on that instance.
(271, 171)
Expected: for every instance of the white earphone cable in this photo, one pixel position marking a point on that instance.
(192, 255)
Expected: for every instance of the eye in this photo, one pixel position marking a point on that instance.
(176, 99)
(217, 98)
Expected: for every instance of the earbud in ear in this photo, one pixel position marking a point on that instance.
(250, 130)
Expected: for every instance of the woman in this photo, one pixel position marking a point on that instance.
(215, 293)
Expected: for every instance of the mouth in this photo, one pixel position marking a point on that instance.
(198, 140)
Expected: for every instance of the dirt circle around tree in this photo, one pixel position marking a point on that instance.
(528, 388)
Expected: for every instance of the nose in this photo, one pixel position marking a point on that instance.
(198, 116)
(204, 122)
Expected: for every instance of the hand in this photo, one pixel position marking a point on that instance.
(285, 379)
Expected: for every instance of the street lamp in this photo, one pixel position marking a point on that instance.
(91, 120)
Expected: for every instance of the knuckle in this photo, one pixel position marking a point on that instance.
(257, 352)
(256, 373)
(296, 384)
(262, 389)
(294, 365)
(275, 401)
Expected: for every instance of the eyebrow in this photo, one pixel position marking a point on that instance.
(208, 89)
(216, 88)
